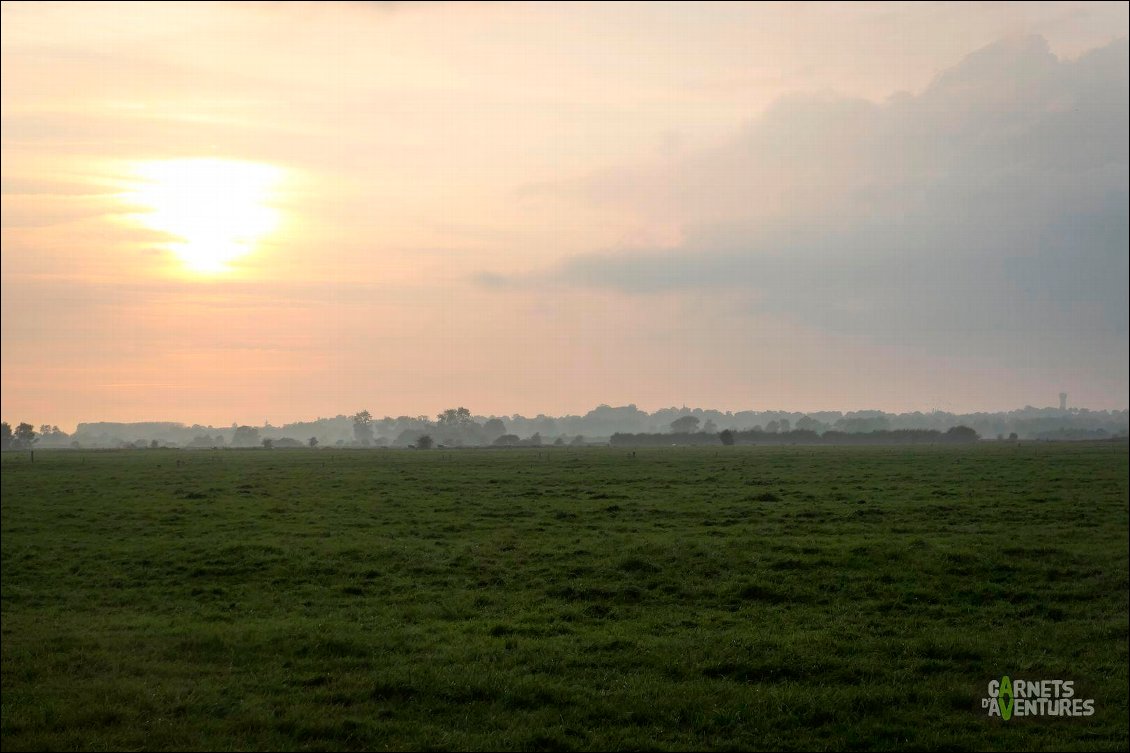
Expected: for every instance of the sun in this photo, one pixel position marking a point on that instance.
(214, 210)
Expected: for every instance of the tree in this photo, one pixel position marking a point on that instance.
(578, 441)
(727, 437)
(1013, 436)
(424, 443)
(535, 440)
(153, 445)
(312, 441)
(5, 436)
(863, 424)
(407, 438)
(52, 436)
(24, 437)
(710, 427)
(493, 429)
(268, 443)
(363, 427)
(544, 424)
(807, 423)
(685, 425)
(245, 436)
(456, 427)
(454, 418)
(773, 427)
(507, 440)
(962, 434)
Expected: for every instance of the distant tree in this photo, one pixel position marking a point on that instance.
(5, 436)
(544, 424)
(773, 427)
(456, 427)
(24, 437)
(493, 429)
(268, 443)
(312, 441)
(863, 424)
(424, 443)
(727, 437)
(363, 427)
(245, 436)
(809, 424)
(52, 436)
(710, 427)
(507, 440)
(407, 438)
(153, 445)
(962, 434)
(453, 418)
(785, 425)
(559, 442)
(1013, 436)
(535, 440)
(578, 441)
(686, 424)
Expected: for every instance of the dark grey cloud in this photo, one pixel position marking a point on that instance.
(989, 210)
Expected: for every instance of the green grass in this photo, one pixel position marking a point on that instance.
(721, 598)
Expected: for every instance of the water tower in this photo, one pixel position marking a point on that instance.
(1063, 401)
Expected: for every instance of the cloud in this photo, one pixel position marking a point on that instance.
(991, 206)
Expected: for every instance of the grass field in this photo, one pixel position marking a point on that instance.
(721, 598)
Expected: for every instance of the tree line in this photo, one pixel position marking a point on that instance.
(459, 427)
(728, 437)
(25, 437)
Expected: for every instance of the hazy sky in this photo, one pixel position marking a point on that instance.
(239, 212)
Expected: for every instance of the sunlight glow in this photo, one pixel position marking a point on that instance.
(216, 210)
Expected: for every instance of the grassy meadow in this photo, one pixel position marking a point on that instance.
(673, 598)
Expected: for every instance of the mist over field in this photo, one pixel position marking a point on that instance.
(460, 428)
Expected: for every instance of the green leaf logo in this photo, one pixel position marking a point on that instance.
(1005, 706)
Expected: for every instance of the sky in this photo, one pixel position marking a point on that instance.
(250, 212)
